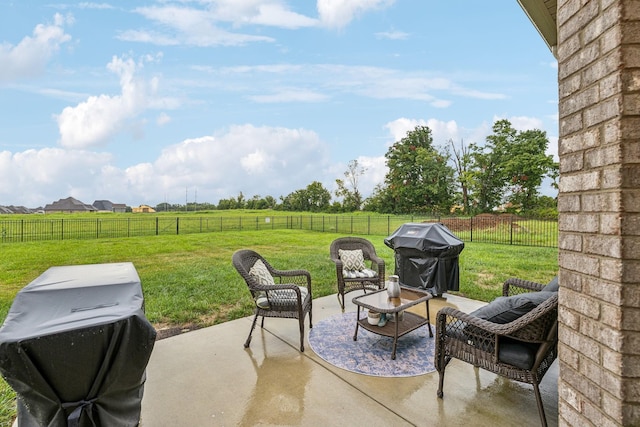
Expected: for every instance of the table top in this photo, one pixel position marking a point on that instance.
(379, 300)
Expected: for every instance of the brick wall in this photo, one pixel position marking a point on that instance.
(599, 204)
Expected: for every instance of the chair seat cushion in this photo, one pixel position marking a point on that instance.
(359, 274)
(352, 259)
(508, 309)
(516, 353)
(280, 298)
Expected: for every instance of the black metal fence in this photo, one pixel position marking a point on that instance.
(505, 229)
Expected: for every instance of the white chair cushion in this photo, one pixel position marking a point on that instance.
(260, 272)
(352, 260)
(284, 296)
(356, 274)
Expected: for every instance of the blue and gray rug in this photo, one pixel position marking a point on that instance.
(332, 340)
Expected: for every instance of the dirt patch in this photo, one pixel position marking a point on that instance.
(478, 222)
(165, 331)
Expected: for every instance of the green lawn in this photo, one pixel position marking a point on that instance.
(189, 279)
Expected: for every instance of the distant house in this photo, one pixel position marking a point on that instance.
(15, 210)
(68, 205)
(107, 206)
(143, 209)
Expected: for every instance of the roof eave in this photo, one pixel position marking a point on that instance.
(545, 23)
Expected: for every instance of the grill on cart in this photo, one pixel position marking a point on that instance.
(426, 256)
(75, 346)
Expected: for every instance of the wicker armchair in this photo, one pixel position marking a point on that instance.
(521, 350)
(374, 280)
(276, 293)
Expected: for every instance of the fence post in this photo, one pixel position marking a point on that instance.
(471, 227)
(97, 226)
(511, 230)
(157, 226)
(177, 226)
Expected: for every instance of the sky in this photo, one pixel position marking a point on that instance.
(145, 102)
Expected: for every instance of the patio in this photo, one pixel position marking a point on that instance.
(207, 378)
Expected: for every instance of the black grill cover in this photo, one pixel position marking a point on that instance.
(75, 346)
(426, 256)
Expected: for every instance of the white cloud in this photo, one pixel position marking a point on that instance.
(245, 158)
(90, 5)
(522, 123)
(163, 119)
(37, 174)
(29, 57)
(182, 25)
(441, 131)
(290, 95)
(260, 12)
(339, 13)
(95, 121)
(392, 35)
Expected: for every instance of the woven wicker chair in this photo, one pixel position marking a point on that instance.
(348, 284)
(289, 297)
(485, 344)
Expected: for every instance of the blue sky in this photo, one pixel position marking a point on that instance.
(145, 102)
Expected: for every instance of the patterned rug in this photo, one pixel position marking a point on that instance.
(332, 340)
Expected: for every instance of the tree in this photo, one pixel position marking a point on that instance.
(419, 177)
(314, 198)
(487, 176)
(380, 201)
(462, 164)
(526, 167)
(510, 167)
(351, 197)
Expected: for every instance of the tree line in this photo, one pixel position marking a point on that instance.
(505, 172)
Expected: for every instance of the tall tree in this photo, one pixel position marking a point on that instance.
(509, 167)
(526, 166)
(419, 177)
(314, 198)
(348, 188)
(462, 163)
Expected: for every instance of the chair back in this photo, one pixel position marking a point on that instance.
(243, 260)
(351, 243)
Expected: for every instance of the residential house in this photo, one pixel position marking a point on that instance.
(107, 206)
(143, 209)
(68, 205)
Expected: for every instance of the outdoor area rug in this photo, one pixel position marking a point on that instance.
(332, 340)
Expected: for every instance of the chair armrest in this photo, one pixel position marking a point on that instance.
(337, 261)
(378, 264)
(531, 327)
(515, 286)
(296, 277)
(459, 320)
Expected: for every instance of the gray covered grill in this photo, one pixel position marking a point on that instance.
(75, 346)
(426, 256)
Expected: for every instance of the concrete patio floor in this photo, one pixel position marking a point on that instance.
(207, 378)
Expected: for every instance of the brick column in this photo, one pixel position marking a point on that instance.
(599, 205)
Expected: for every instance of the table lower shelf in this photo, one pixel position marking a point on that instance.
(410, 322)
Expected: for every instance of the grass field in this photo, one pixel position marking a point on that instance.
(483, 228)
(189, 279)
